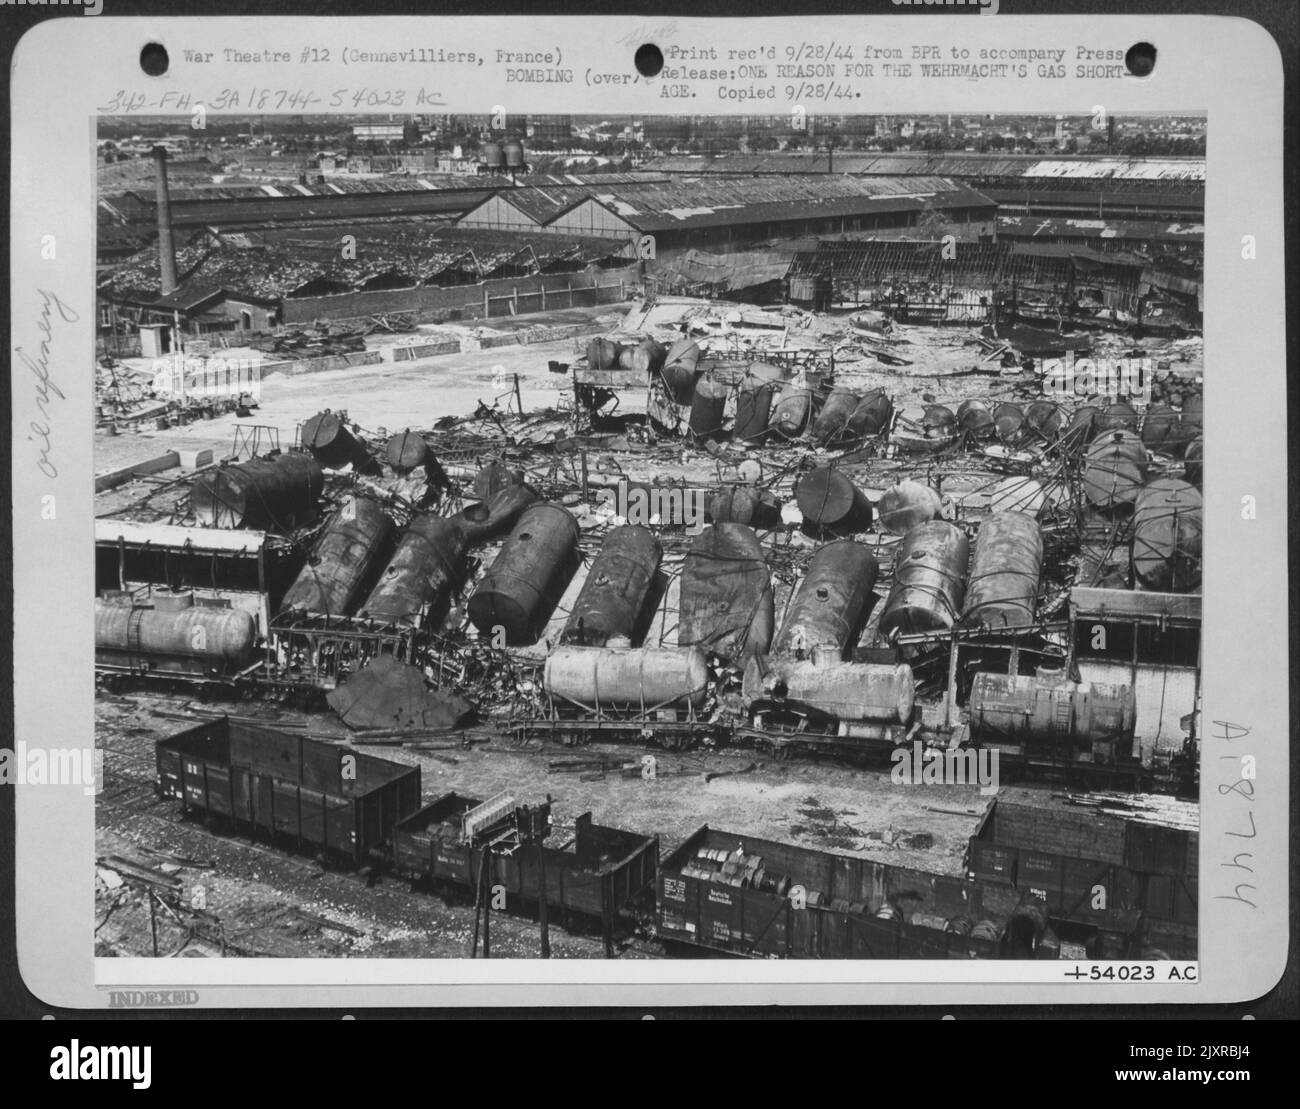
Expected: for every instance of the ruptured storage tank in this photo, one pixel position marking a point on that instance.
(871, 416)
(726, 603)
(647, 679)
(352, 541)
(1167, 523)
(792, 413)
(406, 451)
(217, 638)
(832, 421)
(830, 500)
(1046, 709)
(753, 406)
(1114, 468)
(276, 494)
(611, 603)
(1044, 418)
(708, 406)
(496, 515)
(906, 504)
(974, 418)
(849, 691)
(832, 603)
(1005, 571)
(525, 582)
(929, 580)
(425, 568)
(680, 369)
(330, 442)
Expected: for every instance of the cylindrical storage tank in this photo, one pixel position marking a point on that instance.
(422, 573)
(1114, 468)
(974, 417)
(938, 420)
(1005, 572)
(1018, 493)
(832, 421)
(906, 504)
(680, 369)
(1045, 418)
(494, 477)
(792, 412)
(851, 691)
(406, 451)
(514, 154)
(1194, 461)
(612, 600)
(832, 603)
(707, 407)
(872, 415)
(493, 156)
(647, 357)
(828, 499)
(497, 514)
(278, 493)
(1046, 708)
(1119, 416)
(602, 353)
(1008, 420)
(929, 580)
(646, 678)
(1082, 427)
(1161, 428)
(753, 406)
(737, 504)
(726, 603)
(1167, 523)
(330, 442)
(215, 635)
(525, 582)
(328, 584)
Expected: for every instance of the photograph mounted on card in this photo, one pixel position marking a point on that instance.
(649, 512)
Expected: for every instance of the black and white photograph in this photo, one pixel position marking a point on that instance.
(649, 537)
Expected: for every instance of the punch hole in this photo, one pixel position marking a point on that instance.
(153, 59)
(1140, 58)
(649, 60)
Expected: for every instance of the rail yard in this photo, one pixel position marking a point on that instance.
(674, 626)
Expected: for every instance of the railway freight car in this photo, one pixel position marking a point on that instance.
(739, 895)
(339, 802)
(605, 874)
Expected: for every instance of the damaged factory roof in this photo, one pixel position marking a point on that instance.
(1039, 227)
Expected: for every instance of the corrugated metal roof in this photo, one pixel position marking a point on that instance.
(173, 536)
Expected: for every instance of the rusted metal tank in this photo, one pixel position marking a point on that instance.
(427, 565)
(275, 494)
(619, 581)
(906, 504)
(832, 421)
(871, 416)
(1005, 572)
(1048, 709)
(1082, 428)
(355, 537)
(1167, 523)
(1045, 419)
(525, 582)
(939, 420)
(792, 413)
(828, 499)
(1161, 428)
(850, 691)
(1118, 416)
(330, 442)
(495, 476)
(1008, 420)
(643, 678)
(646, 357)
(496, 515)
(753, 407)
(406, 451)
(832, 603)
(1194, 461)
(743, 504)
(929, 580)
(1114, 469)
(974, 418)
(726, 603)
(602, 353)
(708, 406)
(680, 370)
(216, 636)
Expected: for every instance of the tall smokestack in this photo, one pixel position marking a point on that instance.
(166, 247)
